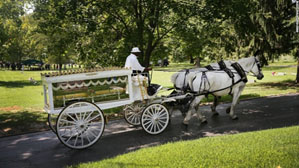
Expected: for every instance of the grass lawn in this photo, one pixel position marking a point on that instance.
(275, 148)
(21, 101)
(17, 90)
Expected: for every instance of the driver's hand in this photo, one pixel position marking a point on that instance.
(148, 68)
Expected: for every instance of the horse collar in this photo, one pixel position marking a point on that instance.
(240, 71)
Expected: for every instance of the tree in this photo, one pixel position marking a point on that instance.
(105, 31)
(55, 29)
(10, 25)
(297, 57)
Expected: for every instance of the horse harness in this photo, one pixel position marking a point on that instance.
(205, 82)
(184, 88)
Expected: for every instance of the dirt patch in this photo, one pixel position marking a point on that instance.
(35, 127)
(11, 108)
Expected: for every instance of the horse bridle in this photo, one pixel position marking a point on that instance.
(258, 64)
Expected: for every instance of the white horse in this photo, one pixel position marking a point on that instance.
(180, 81)
(179, 78)
(219, 83)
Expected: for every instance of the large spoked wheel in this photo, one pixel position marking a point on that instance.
(155, 119)
(80, 125)
(52, 118)
(133, 113)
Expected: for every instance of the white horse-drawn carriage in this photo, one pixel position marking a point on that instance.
(75, 100)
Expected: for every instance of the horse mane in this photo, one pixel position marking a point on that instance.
(244, 60)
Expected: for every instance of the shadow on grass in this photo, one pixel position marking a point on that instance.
(12, 123)
(18, 84)
(283, 85)
(278, 68)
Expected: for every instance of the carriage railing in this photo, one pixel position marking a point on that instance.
(107, 89)
(98, 90)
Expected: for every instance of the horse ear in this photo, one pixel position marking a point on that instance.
(257, 53)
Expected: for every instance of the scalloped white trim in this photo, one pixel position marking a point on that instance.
(83, 84)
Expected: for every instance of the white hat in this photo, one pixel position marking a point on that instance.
(135, 50)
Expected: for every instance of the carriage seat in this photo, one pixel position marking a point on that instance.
(153, 89)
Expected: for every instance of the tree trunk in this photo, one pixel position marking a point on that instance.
(60, 67)
(197, 62)
(148, 54)
(297, 76)
(264, 60)
(140, 28)
(149, 49)
(191, 59)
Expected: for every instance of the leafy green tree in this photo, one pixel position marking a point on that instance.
(105, 31)
(54, 30)
(10, 25)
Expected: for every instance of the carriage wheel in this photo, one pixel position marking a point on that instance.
(155, 118)
(133, 113)
(52, 118)
(80, 125)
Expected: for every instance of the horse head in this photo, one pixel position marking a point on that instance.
(257, 68)
(252, 64)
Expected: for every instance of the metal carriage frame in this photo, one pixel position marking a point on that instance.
(80, 124)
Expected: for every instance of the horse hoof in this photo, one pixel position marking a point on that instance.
(215, 114)
(234, 117)
(204, 121)
(185, 123)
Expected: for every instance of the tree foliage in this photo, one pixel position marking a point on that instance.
(102, 32)
(10, 30)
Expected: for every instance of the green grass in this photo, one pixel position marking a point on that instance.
(21, 103)
(269, 148)
(17, 90)
(173, 67)
(19, 96)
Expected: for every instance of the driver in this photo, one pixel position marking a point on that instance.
(133, 63)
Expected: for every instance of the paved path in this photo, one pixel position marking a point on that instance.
(44, 150)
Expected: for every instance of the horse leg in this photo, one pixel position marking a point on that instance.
(213, 107)
(236, 96)
(170, 111)
(199, 114)
(228, 108)
(191, 110)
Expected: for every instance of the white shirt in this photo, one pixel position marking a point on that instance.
(133, 63)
